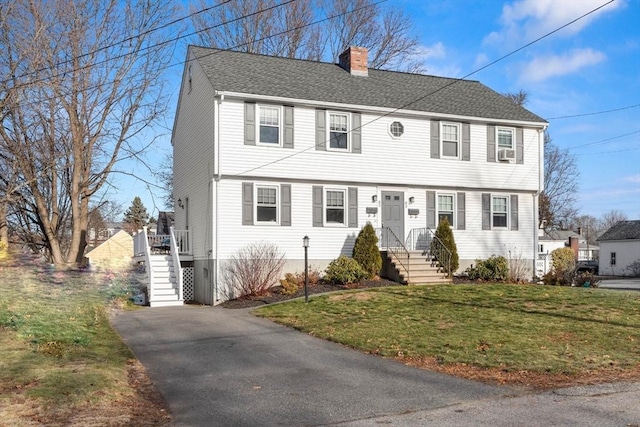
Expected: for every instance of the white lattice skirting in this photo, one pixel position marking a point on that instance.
(187, 282)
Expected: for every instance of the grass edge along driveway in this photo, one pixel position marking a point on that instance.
(537, 336)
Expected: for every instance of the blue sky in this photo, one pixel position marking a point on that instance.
(589, 67)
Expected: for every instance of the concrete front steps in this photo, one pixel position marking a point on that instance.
(163, 285)
(422, 269)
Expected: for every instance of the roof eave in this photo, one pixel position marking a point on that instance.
(373, 109)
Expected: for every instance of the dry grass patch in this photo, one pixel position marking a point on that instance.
(60, 361)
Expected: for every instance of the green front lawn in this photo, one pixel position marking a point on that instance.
(510, 327)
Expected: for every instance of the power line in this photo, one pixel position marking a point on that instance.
(206, 55)
(603, 140)
(436, 90)
(114, 44)
(162, 43)
(594, 113)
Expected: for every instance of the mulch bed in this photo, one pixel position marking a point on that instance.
(277, 295)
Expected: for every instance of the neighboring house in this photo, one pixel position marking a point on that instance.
(619, 248)
(273, 149)
(113, 254)
(96, 236)
(548, 241)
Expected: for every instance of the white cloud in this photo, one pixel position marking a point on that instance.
(434, 59)
(633, 178)
(526, 20)
(543, 68)
(435, 51)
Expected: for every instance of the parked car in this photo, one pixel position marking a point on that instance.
(587, 267)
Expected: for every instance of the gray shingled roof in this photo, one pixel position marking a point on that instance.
(622, 230)
(326, 82)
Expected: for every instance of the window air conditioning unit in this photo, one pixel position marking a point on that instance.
(506, 154)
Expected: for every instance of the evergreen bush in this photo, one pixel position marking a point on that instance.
(493, 269)
(344, 270)
(366, 252)
(445, 234)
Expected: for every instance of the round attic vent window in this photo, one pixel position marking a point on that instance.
(396, 129)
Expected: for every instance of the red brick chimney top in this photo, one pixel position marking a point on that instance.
(354, 60)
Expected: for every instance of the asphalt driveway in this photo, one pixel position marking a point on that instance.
(219, 367)
(216, 366)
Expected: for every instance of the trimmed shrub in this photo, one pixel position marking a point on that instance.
(366, 252)
(344, 270)
(493, 269)
(445, 234)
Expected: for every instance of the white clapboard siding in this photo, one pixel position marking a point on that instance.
(193, 159)
(384, 159)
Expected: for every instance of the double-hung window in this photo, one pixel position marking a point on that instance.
(499, 211)
(446, 208)
(505, 138)
(450, 140)
(339, 131)
(335, 207)
(267, 204)
(269, 132)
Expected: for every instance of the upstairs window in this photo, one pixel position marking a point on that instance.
(267, 204)
(499, 211)
(338, 131)
(505, 138)
(269, 132)
(396, 129)
(450, 140)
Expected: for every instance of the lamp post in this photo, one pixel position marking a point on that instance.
(305, 244)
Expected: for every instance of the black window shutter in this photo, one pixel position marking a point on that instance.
(247, 203)
(513, 206)
(317, 206)
(288, 127)
(435, 139)
(356, 133)
(285, 204)
(461, 212)
(353, 207)
(519, 146)
(431, 209)
(466, 142)
(491, 143)
(321, 130)
(249, 123)
(486, 211)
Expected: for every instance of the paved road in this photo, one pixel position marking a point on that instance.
(622, 283)
(226, 367)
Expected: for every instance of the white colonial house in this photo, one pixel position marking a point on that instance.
(620, 249)
(269, 149)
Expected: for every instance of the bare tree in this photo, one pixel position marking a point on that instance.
(556, 204)
(74, 100)
(520, 98)
(287, 29)
(558, 200)
(611, 218)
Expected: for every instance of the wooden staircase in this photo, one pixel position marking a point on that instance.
(163, 283)
(422, 269)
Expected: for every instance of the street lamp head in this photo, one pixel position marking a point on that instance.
(305, 241)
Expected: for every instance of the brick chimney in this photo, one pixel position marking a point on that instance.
(354, 60)
(573, 244)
